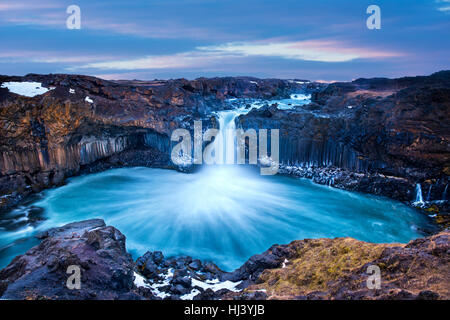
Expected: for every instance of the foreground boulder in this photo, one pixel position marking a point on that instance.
(304, 269)
(341, 268)
(310, 269)
(106, 268)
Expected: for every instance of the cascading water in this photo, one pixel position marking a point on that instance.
(419, 196)
(227, 139)
(226, 142)
(223, 214)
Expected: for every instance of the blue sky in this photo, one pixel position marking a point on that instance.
(144, 39)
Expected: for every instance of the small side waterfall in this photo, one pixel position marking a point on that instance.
(444, 195)
(429, 193)
(330, 182)
(419, 197)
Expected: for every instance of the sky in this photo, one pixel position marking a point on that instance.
(320, 40)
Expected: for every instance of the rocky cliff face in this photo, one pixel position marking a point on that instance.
(84, 124)
(380, 136)
(374, 135)
(304, 269)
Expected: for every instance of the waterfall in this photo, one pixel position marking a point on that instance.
(330, 182)
(226, 140)
(429, 193)
(444, 195)
(419, 197)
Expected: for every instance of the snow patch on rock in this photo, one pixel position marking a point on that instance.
(300, 96)
(216, 285)
(27, 89)
(190, 296)
(139, 281)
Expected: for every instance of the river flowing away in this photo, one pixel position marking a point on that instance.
(223, 214)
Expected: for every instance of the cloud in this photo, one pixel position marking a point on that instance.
(27, 5)
(68, 58)
(313, 50)
(51, 56)
(121, 76)
(53, 16)
(47, 20)
(446, 7)
(179, 60)
(154, 30)
(40, 13)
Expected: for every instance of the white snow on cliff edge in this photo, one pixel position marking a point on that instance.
(27, 89)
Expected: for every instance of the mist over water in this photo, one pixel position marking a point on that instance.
(223, 214)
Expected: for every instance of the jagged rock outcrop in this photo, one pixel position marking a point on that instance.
(304, 269)
(339, 269)
(106, 268)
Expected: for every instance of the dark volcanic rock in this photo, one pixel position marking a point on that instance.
(98, 250)
(319, 269)
(58, 134)
(270, 259)
(379, 136)
(195, 265)
(313, 269)
(175, 277)
(184, 281)
(338, 269)
(150, 264)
